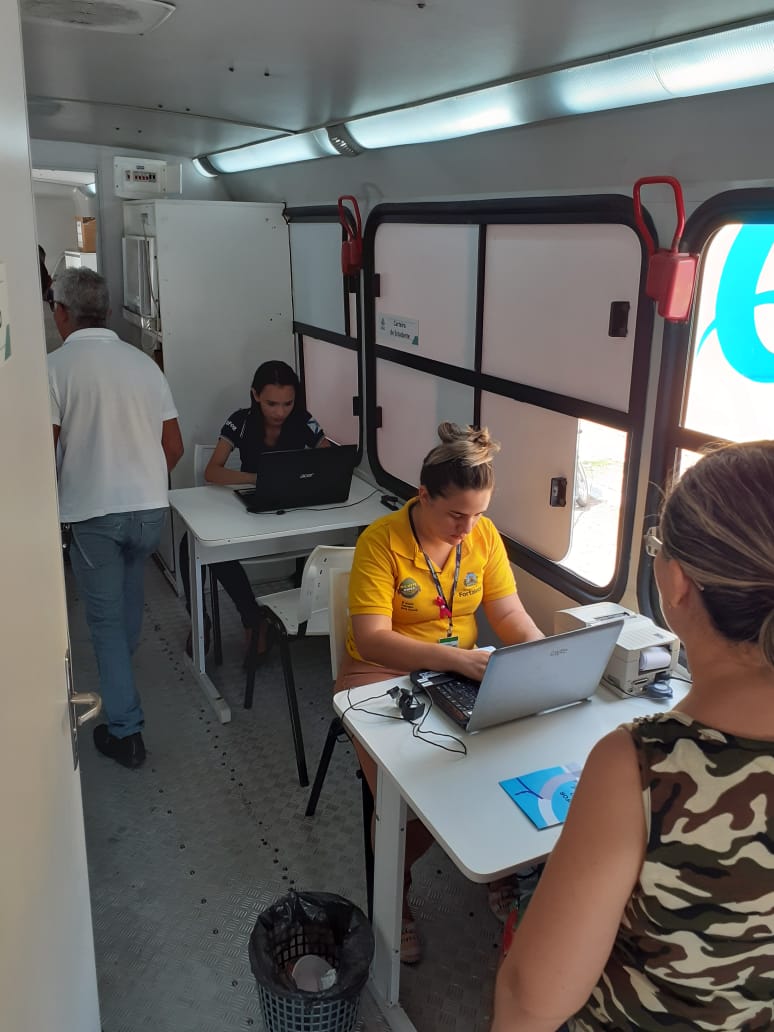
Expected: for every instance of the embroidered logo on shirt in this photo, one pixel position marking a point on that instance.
(470, 580)
(408, 588)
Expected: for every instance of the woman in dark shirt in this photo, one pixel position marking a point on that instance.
(275, 421)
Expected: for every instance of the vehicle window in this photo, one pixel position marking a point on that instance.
(722, 368)
(730, 383)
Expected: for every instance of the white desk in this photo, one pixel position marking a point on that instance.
(220, 528)
(459, 799)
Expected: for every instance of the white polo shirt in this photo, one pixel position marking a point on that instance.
(110, 400)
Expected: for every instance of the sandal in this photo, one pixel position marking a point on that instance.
(410, 946)
(503, 897)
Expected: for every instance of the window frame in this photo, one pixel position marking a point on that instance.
(748, 206)
(329, 213)
(584, 209)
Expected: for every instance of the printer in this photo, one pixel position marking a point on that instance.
(642, 652)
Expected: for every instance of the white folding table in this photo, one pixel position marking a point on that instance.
(220, 528)
(458, 797)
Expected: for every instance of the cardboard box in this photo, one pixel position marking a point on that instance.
(86, 231)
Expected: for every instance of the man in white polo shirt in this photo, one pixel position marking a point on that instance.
(116, 424)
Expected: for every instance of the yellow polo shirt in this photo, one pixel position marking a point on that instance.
(390, 578)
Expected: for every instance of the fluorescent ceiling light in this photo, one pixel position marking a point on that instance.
(619, 82)
(726, 61)
(731, 58)
(496, 107)
(202, 169)
(283, 150)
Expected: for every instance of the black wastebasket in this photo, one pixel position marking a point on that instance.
(317, 923)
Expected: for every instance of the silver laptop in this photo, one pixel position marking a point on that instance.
(522, 680)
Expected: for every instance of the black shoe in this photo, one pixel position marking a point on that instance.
(129, 751)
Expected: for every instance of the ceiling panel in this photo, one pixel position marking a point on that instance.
(165, 132)
(292, 64)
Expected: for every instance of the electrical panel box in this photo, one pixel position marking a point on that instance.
(147, 177)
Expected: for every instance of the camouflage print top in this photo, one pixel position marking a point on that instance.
(695, 949)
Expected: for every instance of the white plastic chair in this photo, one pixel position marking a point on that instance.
(338, 608)
(294, 614)
(338, 592)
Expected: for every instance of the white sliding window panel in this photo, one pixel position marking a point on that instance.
(330, 382)
(547, 308)
(427, 302)
(318, 289)
(413, 404)
(536, 446)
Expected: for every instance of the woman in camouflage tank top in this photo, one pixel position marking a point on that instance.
(656, 909)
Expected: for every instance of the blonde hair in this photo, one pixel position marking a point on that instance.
(463, 460)
(718, 523)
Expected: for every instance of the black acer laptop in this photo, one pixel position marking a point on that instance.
(298, 479)
(523, 680)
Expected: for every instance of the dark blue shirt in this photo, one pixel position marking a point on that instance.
(300, 430)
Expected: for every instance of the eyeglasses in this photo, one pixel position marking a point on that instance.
(653, 543)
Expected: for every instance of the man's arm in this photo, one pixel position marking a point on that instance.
(171, 442)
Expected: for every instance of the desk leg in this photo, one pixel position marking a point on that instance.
(215, 699)
(389, 849)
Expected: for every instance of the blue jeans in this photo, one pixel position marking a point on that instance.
(108, 556)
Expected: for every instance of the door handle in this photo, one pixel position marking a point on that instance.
(91, 699)
(74, 700)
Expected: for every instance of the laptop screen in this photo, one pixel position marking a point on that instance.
(302, 478)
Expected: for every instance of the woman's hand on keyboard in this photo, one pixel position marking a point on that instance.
(471, 662)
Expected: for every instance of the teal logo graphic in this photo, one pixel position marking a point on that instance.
(470, 580)
(736, 302)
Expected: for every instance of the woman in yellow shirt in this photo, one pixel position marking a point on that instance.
(418, 577)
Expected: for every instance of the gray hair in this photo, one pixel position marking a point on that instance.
(84, 294)
(718, 524)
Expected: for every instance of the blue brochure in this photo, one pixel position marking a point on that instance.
(544, 795)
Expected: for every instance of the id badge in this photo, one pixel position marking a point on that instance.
(453, 641)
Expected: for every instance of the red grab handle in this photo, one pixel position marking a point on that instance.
(679, 207)
(352, 247)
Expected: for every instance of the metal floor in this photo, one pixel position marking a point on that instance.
(184, 853)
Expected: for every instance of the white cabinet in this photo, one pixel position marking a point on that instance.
(225, 307)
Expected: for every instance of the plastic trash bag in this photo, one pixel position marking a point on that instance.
(318, 923)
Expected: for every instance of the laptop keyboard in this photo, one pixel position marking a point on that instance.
(459, 697)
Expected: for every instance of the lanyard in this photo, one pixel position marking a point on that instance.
(444, 606)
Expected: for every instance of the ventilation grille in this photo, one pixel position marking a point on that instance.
(131, 17)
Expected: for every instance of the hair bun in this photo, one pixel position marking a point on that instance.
(471, 444)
